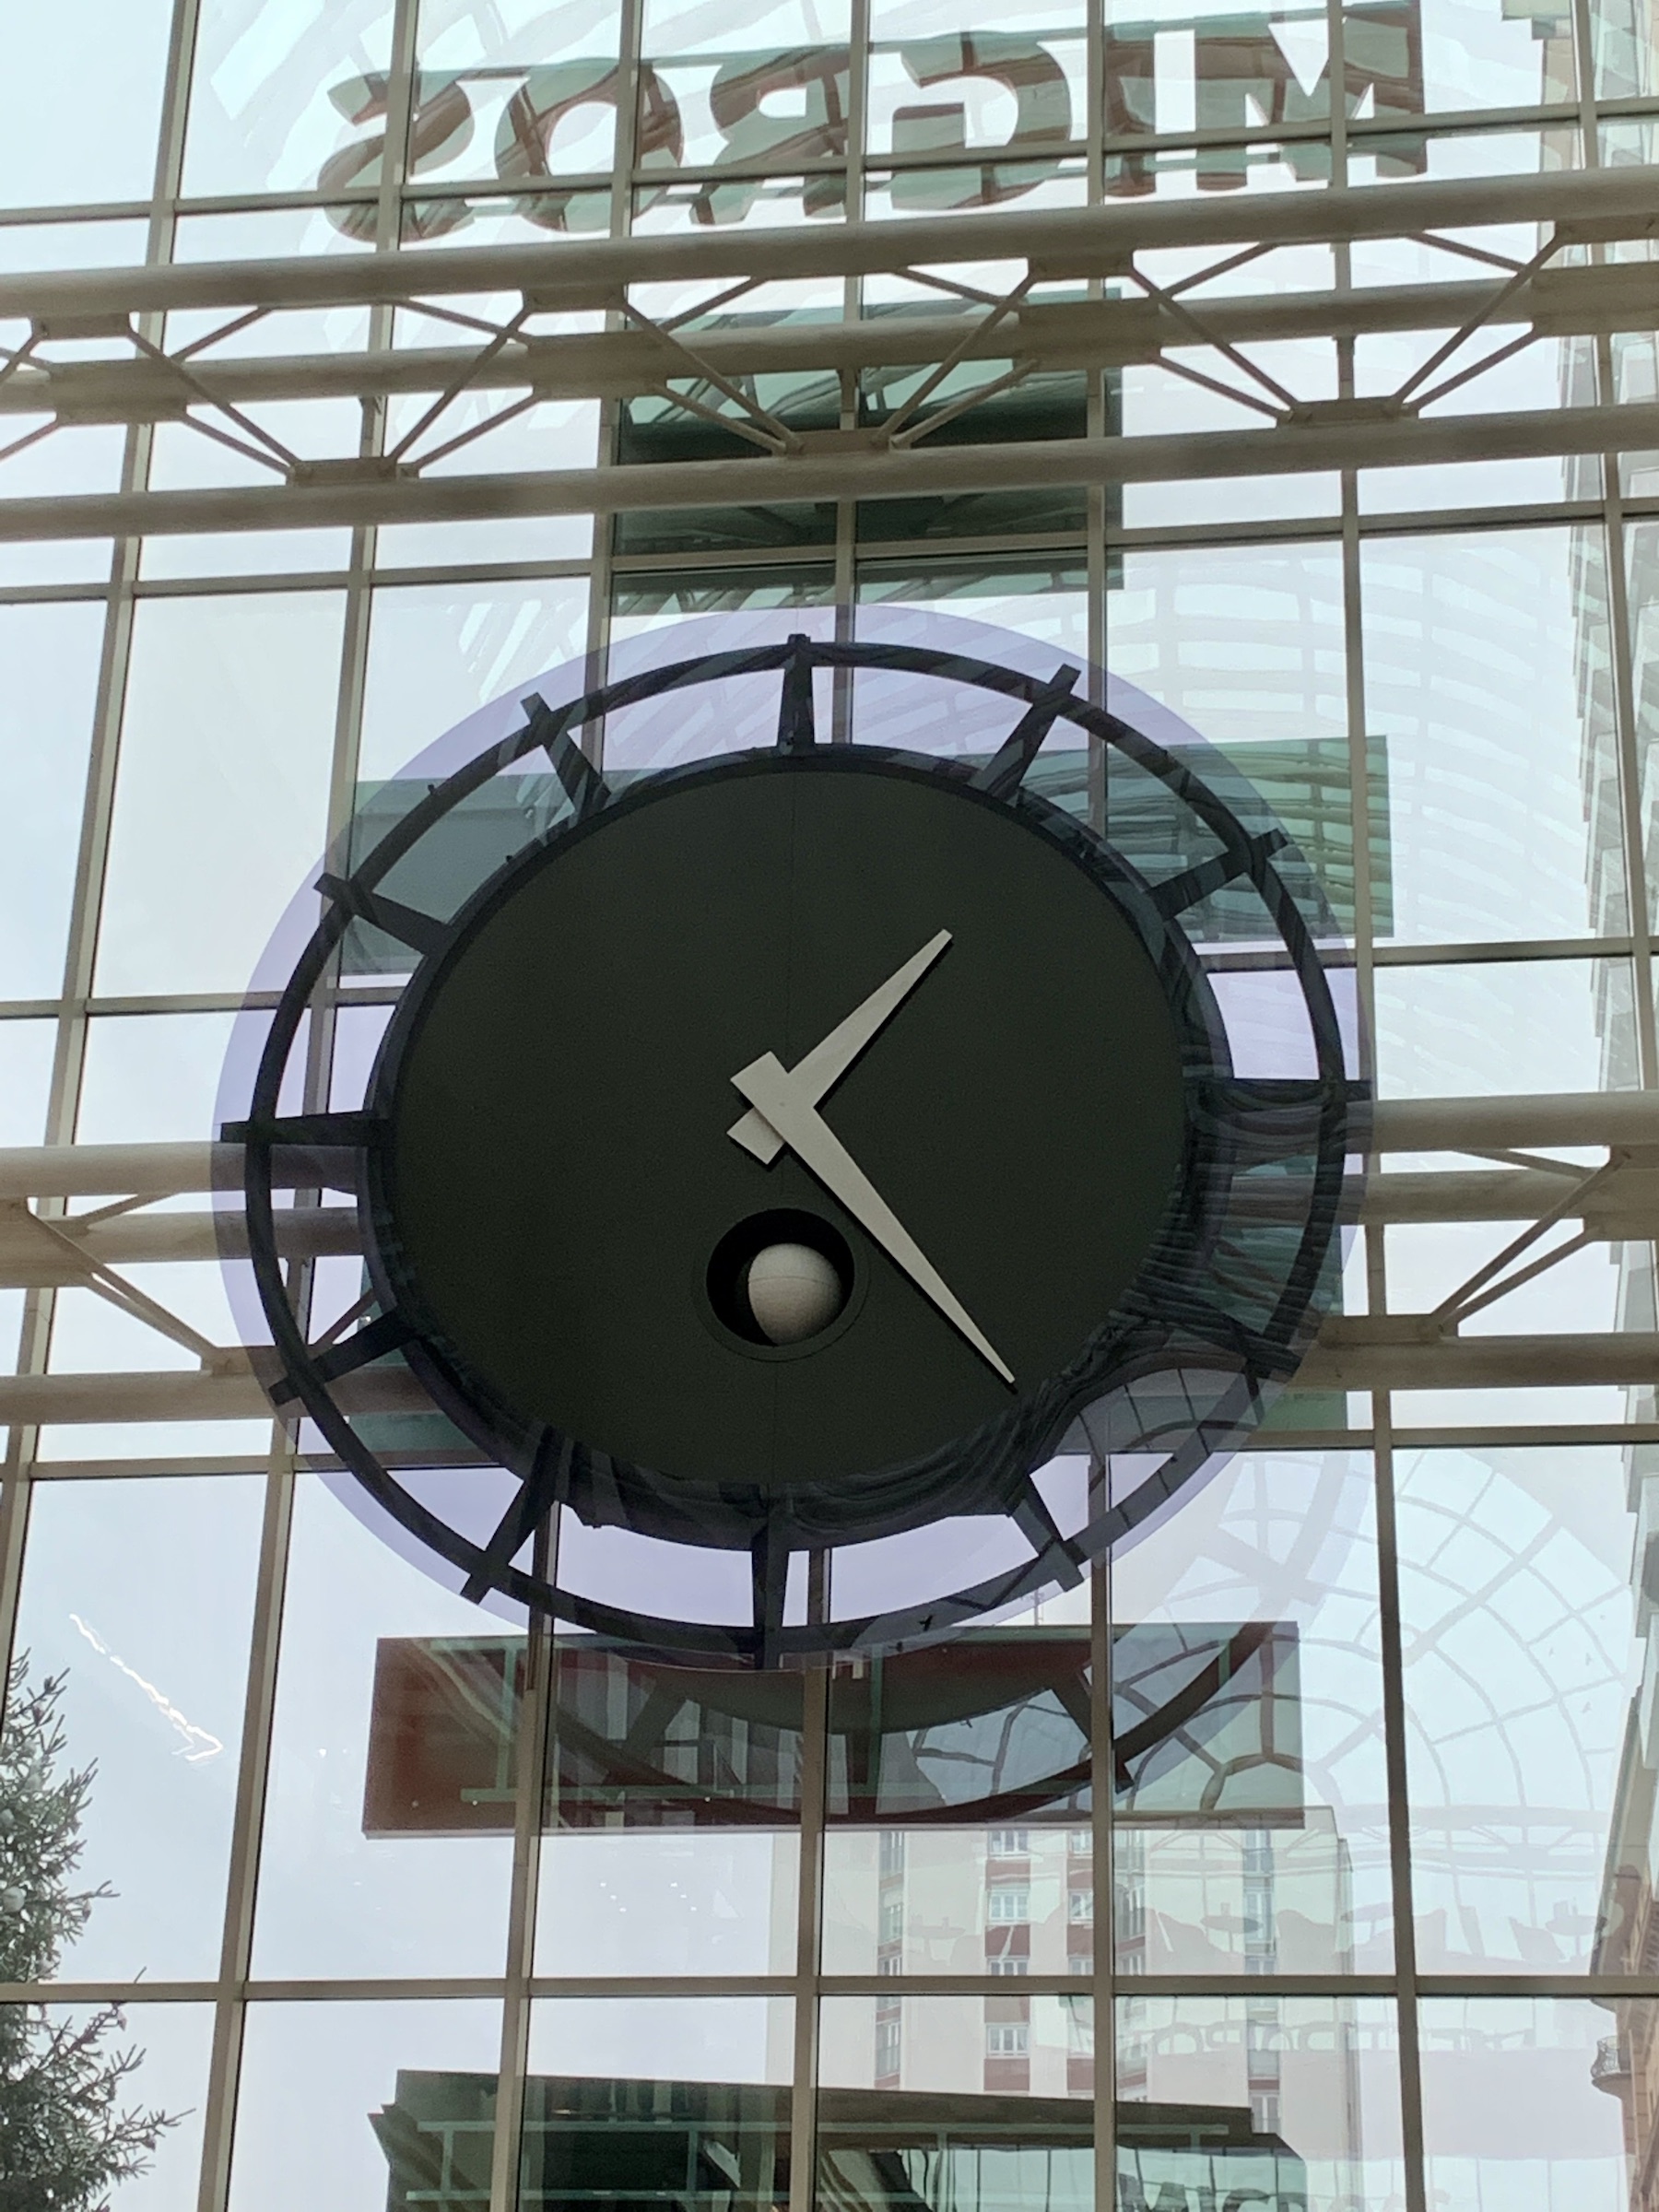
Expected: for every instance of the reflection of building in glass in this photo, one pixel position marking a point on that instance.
(992, 1729)
(959, 1840)
(605, 2144)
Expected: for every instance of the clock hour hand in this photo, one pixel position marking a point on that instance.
(787, 1106)
(828, 1062)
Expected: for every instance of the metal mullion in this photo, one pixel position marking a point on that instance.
(247, 1831)
(1399, 1813)
(604, 528)
(535, 1724)
(846, 511)
(809, 1906)
(1628, 739)
(1103, 1973)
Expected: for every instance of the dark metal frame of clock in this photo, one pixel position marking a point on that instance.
(980, 1076)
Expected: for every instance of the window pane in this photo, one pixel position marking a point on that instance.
(168, 2045)
(1486, 676)
(1254, 1839)
(222, 788)
(1528, 1772)
(934, 2086)
(336, 1894)
(1504, 1025)
(627, 2099)
(935, 1900)
(48, 681)
(275, 93)
(152, 1667)
(87, 129)
(1290, 2100)
(437, 652)
(1521, 2102)
(357, 2073)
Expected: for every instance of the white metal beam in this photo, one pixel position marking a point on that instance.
(1061, 243)
(842, 465)
(1058, 334)
(1377, 1354)
(1472, 1124)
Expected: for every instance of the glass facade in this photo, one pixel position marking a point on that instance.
(1307, 1856)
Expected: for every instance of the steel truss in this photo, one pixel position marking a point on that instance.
(1616, 1202)
(704, 363)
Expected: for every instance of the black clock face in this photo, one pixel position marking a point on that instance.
(560, 1189)
(831, 1154)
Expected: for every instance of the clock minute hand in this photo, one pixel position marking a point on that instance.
(786, 1104)
(829, 1061)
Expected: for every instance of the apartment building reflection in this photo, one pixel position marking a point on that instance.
(959, 1839)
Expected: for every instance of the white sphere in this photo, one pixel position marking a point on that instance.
(793, 1292)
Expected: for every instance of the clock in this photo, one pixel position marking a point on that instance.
(809, 1148)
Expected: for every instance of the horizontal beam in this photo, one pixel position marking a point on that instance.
(1060, 334)
(1350, 1355)
(1613, 1209)
(1517, 1122)
(1358, 1355)
(1575, 1118)
(1060, 243)
(357, 495)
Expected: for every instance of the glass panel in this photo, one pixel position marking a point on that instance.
(61, 245)
(360, 2074)
(1523, 2097)
(1174, 70)
(651, 599)
(1054, 183)
(1485, 656)
(288, 98)
(439, 651)
(82, 459)
(1588, 1289)
(25, 1049)
(983, 2100)
(1479, 55)
(131, 1687)
(151, 1078)
(554, 435)
(1622, 48)
(1504, 1025)
(1013, 1900)
(644, 2101)
(1531, 1779)
(1254, 1837)
(667, 1901)
(222, 786)
(1245, 643)
(940, 83)
(184, 460)
(1643, 558)
(147, 2141)
(340, 1893)
(87, 130)
(48, 682)
(1044, 599)
(1270, 2100)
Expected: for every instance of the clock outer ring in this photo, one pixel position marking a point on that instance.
(1329, 1108)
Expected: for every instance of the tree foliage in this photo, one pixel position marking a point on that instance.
(66, 2134)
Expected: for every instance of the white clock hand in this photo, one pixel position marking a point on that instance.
(786, 1107)
(827, 1062)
